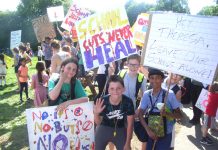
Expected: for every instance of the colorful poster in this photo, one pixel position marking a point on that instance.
(15, 39)
(105, 37)
(183, 44)
(55, 13)
(74, 14)
(72, 129)
(202, 101)
(43, 28)
(140, 28)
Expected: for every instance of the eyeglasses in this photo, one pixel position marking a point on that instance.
(134, 65)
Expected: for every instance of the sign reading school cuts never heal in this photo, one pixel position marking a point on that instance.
(105, 37)
(183, 44)
(72, 129)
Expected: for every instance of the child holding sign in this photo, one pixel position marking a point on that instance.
(114, 115)
(210, 113)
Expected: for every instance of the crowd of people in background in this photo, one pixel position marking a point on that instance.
(128, 97)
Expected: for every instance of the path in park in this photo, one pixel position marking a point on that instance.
(187, 136)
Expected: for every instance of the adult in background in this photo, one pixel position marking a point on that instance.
(196, 88)
(58, 57)
(46, 48)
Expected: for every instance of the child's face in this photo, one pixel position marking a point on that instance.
(115, 89)
(176, 78)
(23, 63)
(155, 81)
(70, 69)
(133, 65)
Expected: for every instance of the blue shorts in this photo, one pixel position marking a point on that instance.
(161, 144)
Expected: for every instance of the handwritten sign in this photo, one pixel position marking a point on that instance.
(183, 44)
(43, 28)
(15, 39)
(140, 28)
(203, 101)
(55, 13)
(105, 37)
(74, 14)
(72, 129)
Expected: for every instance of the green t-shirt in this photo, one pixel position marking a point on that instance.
(65, 91)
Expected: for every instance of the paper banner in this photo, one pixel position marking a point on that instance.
(183, 44)
(55, 13)
(43, 28)
(72, 129)
(105, 37)
(15, 39)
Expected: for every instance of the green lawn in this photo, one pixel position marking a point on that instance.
(13, 129)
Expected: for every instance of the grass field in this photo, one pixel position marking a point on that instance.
(13, 130)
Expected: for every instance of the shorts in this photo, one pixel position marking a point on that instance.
(208, 120)
(140, 131)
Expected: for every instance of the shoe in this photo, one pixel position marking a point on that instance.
(28, 99)
(205, 141)
(21, 101)
(209, 139)
(194, 122)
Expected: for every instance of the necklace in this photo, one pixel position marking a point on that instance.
(115, 120)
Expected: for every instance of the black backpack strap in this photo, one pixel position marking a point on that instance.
(164, 118)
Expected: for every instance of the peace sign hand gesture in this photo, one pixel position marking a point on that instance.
(98, 107)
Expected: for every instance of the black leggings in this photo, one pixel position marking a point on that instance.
(22, 86)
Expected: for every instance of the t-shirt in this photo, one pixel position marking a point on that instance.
(23, 73)
(171, 104)
(212, 105)
(130, 87)
(65, 90)
(47, 51)
(113, 114)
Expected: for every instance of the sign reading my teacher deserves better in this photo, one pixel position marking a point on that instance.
(72, 129)
(183, 44)
(105, 37)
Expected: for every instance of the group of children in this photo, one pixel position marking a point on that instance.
(131, 104)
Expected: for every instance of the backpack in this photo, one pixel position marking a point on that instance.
(140, 78)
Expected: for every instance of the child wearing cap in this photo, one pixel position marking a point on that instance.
(148, 107)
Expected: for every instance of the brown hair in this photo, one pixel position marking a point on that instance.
(213, 88)
(134, 56)
(115, 78)
(66, 48)
(55, 44)
(40, 67)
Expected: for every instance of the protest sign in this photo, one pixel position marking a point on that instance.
(203, 101)
(15, 39)
(72, 129)
(183, 44)
(105, 37)
(140, 28)
(74, 14)
(55, 13)
(43, 28)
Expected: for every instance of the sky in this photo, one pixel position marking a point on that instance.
(194, 5)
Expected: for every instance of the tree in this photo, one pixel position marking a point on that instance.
(209, 11)
(178, 6)
(134, 9)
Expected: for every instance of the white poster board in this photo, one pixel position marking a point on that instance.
(105, 37)
(183, 44)
(72, 129)
(202, 101)
(15, 39)
(74, 14)
(55, 13)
